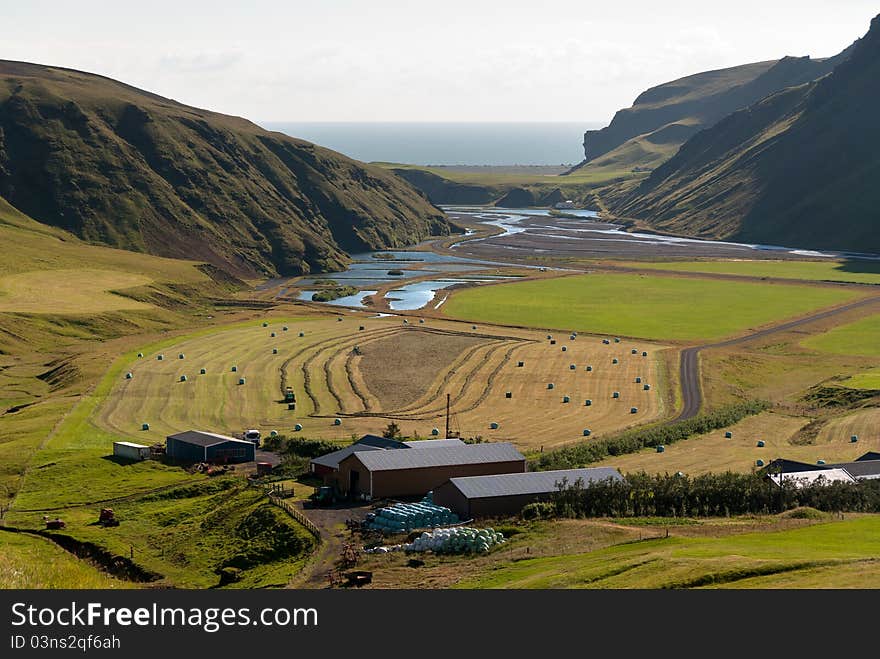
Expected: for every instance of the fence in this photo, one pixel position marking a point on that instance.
(297, 515)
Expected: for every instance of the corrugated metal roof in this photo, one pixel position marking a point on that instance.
(434, 443)
(860, 468)
(533, 482)
(442, 456)
(201, 438)
(379, 442)
(804, 478)
(131, 444)
(333, 459)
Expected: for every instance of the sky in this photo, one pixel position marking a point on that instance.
(392, 60)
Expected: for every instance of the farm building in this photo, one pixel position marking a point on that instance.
(506, 494)
(131, 451)
(804, 478)
(401, 473)
(328, 463)
(865, 467)
(199, 446)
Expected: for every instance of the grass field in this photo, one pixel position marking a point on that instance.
(809, 556)
(69, 291)
(860, 272)
(659, 308)
(330, 382)
(33, 562)
(859, 338)
(496, 177)
(713, 452)
(867, 380)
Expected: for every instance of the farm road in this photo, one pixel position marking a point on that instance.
(689, 367)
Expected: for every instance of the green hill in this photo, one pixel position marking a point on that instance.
(663, 118)
(798, 168)
(125, 168)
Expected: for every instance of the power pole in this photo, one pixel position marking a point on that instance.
(447, 416)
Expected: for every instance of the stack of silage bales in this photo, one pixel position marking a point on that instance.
(456, 540)
(400, 517)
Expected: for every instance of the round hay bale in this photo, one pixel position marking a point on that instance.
(615, 361)
(298, 427)
(183, 378)
(616, 340)
(634, 410)
(337, 422)
(494, 425)
(606, 342)
(291, 406)
(660, 448)
(508, 394)
(302, 334)
(160, 357)
(572, 367)
(644, 354)
(549, 337)
(473, 327)
(589, 368)
(520, 364)
(361, 328)
(241, 380)
(284, 329)
(274, 351)
(853, 439)
(760, 443)
(272, 334)
(273, 433)
(234, 369)
(728, 435)
(638, 380)
(616, 394)
(145, 426)
(634, 351)
(549, 385)
(647, 387)
(181, 356)
(759, 462)
(588, 402)
(128, 376)
(587, 432)
(435, 431)
(202, 371)
(140, 354)
(339, 319)
(572, 337)
(421, 321)
(405, 321)
(566, 399)
(564, 348)
(820, 462)
(265, 324)
(552, 342)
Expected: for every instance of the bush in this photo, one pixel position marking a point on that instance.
(538, 510)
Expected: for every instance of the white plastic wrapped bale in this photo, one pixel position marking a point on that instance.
(400, 517)
(456, 540)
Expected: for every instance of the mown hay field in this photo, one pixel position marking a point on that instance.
(713, 452)
(69, 291)
(860, 272)
(653, 307)
(362, 388)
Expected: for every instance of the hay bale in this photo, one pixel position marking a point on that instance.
(759, 462)
(606, 342)
(616, 340)
(853, 439)
(728, 435)
(587, 432)
(160, 357)
(588, 402)
(549, 337)
(615, 361)
(634, 351)
(760, 443)
(202, 371)
(421, 321)
(435, 431)
(493, 425)
(820, 462)
(183, 378)
(241, 381)
(473, 327)
(274, 351)
(566, 399)
(405, 321)
(234, 369)
(564, 348)
(361, 328)
(634, 410)
(145, 426)
(660, 448)
(616, 394)
(284, 329)
(272, 334)
(638, 380)
(265, 324)
(520, 364)
(181, 356)
(572, 337)
(549, 385)
(140, 354)
(302, 334)
(572, 367)
(644, 354)
(339, 319)
(128, 376)
(298, 427)
(273, 433)
(647, 387)
(337, 422)
(291, 406)
(589, 368)
(552, 342)
(508, 394)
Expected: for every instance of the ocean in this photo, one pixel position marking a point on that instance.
(548, 144)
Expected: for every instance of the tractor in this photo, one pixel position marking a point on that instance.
(326, 495)
(289, 396)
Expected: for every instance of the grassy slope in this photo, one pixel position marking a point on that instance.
(867, 380)
(123, 167)
(859, 338)
(32, 562)
(647, 307)
(699, 561)
(859, 272)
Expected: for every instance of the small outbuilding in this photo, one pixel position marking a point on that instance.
(506, 494)
(131, 451)
(200, 446)
(328, 464)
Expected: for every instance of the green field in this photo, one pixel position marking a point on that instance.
(762, 559)
(665, 308)
(33, 562)
(859, 338)
(867, 380)
(859, 272)
(497, 177)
